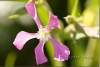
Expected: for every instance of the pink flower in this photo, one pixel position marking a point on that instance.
(61, 52)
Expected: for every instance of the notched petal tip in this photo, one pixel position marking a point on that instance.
(61, 52)
(62, 55)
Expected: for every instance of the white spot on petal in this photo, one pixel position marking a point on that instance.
(67, 52)
(58, 59)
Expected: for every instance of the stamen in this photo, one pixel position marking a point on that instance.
(43, 33)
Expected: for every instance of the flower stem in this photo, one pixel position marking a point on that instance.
(10, 60)
(74, 10)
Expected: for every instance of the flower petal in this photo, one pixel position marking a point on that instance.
(31, 9)
(39, 53)
(90, 31)
(53, 22)
(21, 38)
(61, 52)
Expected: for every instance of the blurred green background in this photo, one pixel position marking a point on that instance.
(14, 18)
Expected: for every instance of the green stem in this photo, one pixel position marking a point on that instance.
(74, 10)
(10, 60)
(50, 50)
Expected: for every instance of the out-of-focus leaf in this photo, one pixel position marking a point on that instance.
(17, 13)
(21, 0)
(91, 13)
(89, 54)
(89, 17)
(13, 16)
(8, 8)
(20, 11)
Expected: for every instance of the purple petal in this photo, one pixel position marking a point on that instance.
(21, 38)
(61, 52)
(40, 56)
(53, 22)
(31, 9)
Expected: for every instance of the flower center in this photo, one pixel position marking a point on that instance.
(43, 33)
